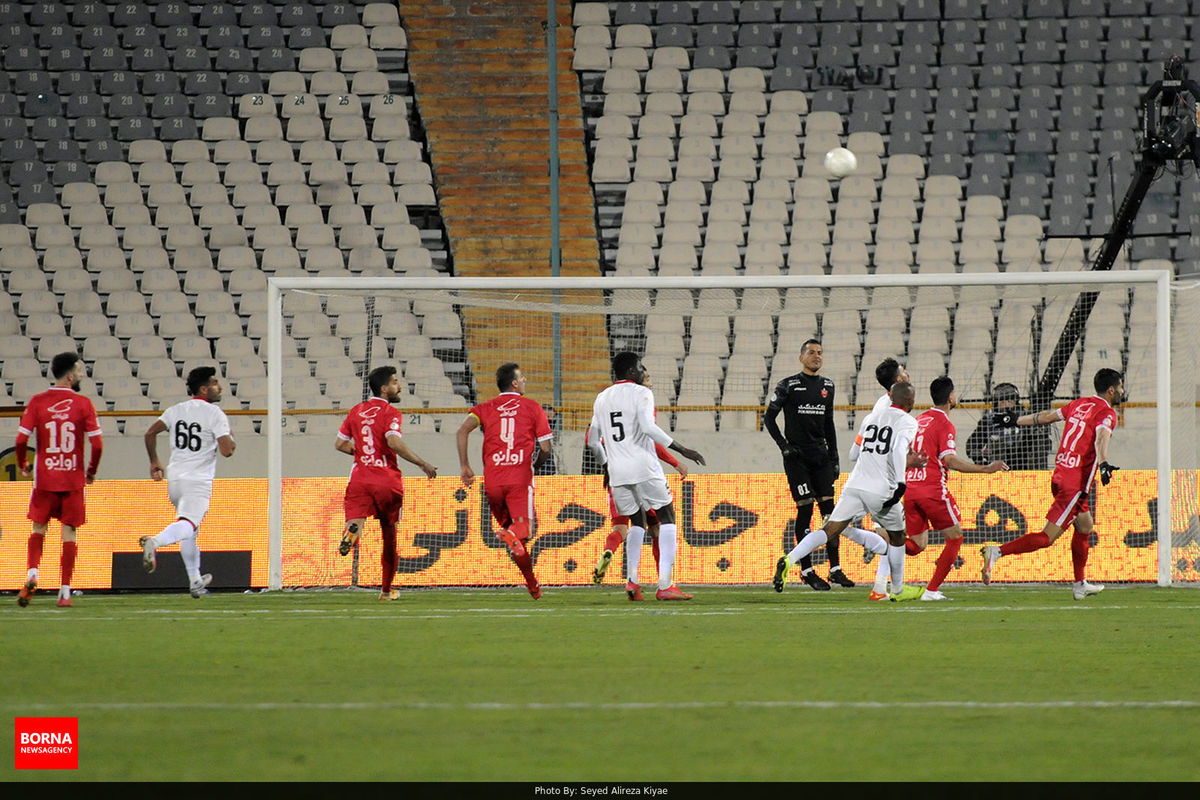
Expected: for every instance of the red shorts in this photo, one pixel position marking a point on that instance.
(373, 500)
(623, 519)
(927, 512)
(510, 503)
(1069, 502)
(66, 507)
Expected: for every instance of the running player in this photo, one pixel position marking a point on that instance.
(1082, 452)
(875, 486)
(622, 435)
(371, 435)
(927, 501)
(198, 430)
(63, 420)
(516, 440)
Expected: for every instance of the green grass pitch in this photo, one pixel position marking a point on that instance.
(1008, 682)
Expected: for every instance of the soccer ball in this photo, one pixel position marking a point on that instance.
(840, 162)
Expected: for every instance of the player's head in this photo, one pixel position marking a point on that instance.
(67, 369)
(812, 355)
(1005, 395)
(890, 371)
(509, 378)
(384, 383)
(1110, 385)
(941, 391)
(903, 395)
(203, 382)
(627, 366)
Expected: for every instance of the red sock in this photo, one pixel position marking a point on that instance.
(1079, 554)
(68, 561)
(613, 540)
(654, 549)
(387, 559)
(1025, 544)
(520, 529)
(945, 561)
(910, 547)
(36, 540)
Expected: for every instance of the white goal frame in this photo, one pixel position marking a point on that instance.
(1161, 279)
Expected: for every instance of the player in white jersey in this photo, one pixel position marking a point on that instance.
(874, 487)
(622, 435)
(198, 430)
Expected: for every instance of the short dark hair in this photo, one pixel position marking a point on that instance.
(63, 363)
(1105, 379)
(623, 362)
(506, 375)
(807, 342)
(1005, 391)
(941, 389)
(198, 378)
(886, 372)
(902, 393)
(380, 377)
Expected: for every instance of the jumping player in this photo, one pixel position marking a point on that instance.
(371, 435)
(63, 420)
(516, 440)
(1082, 452)
(622, 435)
(198, 430)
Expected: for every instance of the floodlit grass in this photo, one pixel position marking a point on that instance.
(1003, 683)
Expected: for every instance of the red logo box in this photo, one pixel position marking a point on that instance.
(46, 742)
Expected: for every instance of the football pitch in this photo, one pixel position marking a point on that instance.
(1004, 683)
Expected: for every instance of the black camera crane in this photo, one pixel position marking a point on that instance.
(1168, 135)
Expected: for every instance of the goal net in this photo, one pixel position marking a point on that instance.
(714, 348)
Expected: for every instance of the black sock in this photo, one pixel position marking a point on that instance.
(803, 520)
(831, 547)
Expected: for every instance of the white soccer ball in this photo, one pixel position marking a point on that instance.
(840, 162)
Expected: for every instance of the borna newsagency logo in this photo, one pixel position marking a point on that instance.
(46, 742)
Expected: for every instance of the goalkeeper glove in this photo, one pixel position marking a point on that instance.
(1106, 471)
(787, 450)
(895, 498)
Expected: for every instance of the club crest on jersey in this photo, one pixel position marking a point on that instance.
(824, 393)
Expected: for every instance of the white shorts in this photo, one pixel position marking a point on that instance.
(190, 498)
(633, 497)
(855, 504)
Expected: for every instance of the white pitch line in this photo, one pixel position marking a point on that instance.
(631, 706)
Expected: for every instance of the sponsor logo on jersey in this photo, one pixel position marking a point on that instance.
(370, 412)
(61, 407)
(509, 407)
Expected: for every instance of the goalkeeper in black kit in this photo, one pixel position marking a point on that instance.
(810, 455)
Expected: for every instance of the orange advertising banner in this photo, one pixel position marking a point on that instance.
(731, 529)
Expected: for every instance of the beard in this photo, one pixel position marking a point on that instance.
(76, 386)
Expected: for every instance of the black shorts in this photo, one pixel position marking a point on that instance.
(810, 476)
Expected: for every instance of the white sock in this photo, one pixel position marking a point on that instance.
(868, 539)
(882, 572)
(895, 558)
(32, 575)
(633, 550)
(811, 541)
(191, 557)
(668, 544)
(177, 531)
(64, 591)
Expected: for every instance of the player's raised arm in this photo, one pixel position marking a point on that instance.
(1044, 417)
(957, 462)
(462, 438)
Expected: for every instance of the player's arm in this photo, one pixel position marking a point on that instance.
(1103, 437)
(771, 424)
(462, 438)
(1044, 417)
(400, 448)
(226, 445)
(831, 436)
(151, 439)
(96, 440)
(592, 439)
(665, 455)
(343, 445)
(542, 454)
(955, 461)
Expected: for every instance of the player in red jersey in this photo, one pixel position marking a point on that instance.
(63, 419)
(928, 502)
(371, 434)
(516, 440)
(620, 522)
(1082, 452)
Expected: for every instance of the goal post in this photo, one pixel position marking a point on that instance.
(591, 314)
